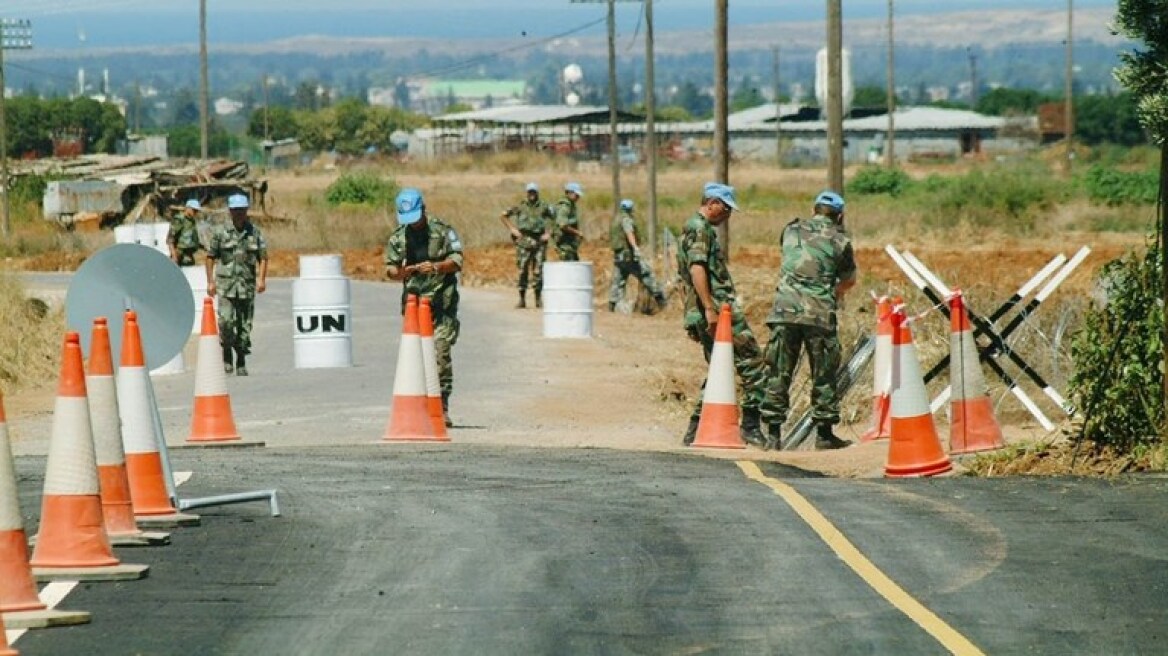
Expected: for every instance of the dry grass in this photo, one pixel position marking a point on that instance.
(30, 346)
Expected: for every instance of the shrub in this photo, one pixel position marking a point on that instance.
(1117, 380)
(1113, 187)
(983, 198)
(879, 180)
(361, 189)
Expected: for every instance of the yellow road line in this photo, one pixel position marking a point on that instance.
(877, 580)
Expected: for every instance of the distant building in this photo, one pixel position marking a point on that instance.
(434, 96)
(227, 107)
(146, 145)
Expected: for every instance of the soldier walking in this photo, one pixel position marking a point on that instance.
(237, 270)
(701, 263)
(426, 254)
(567, 231)
(818, 268)
(530, 231)
(625, 236)
(183, 238)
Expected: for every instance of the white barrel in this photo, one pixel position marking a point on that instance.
(567, 299)
(322, 330)
(126, 234)
(196, 276)
(161, 232)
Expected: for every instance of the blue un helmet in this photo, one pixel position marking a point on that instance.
(575, 188)
(831, 200)
(409, 205)
(237, 202)
(627, 204)
(722, 192)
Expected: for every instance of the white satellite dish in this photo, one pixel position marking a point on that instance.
(572, 99)
(573, 74)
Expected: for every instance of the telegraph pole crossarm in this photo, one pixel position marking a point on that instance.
(15, 34)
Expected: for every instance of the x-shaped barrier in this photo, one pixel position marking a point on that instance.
(938, 292)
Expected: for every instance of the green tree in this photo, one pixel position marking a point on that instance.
(746, 96)
(184, 108)
(698, 103)
(870, 96)
(1004, 101)
(281, 123)
(1108, 119)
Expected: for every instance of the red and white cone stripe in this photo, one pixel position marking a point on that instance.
(116, 506)
(972, 425)
(17, 588)
(882, 376)
(143, 461)
(410, 416)
(212, 419)
(430, 365)
(914, 448)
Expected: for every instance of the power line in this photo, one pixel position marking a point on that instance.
(474, 61)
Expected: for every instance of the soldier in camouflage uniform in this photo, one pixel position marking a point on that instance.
(530, 231)
(625, 236)
(818, 269)
(566, 232)
(426, 254)
(701, 264)
(183, 237)
(241, 252)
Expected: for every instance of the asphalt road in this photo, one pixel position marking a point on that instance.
(472, 548)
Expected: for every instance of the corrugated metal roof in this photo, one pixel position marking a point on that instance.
(532, 114)
(921, 119)
(761, 114)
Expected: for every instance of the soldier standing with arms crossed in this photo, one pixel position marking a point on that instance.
(530, 233)
(701, 263)
(567, 224)
(625, 235)
(818, 268)
(241, 252)
(426, 254)
(183, 237)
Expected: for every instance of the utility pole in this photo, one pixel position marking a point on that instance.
(15, 34)
(614, 138)
(1069, 126)
(267, 125)
(972, 79)
(778, 110)
(890, 142)
(835, 97)
(721, 108)
(204, 91)
(651, 130)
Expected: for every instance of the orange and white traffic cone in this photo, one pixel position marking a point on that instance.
(882, 367)
(430, 365)
(17, 588)
(212, 420)
(5, 649)
(409, 419)
(148, 491)
(116, 505)
(71, 541)
(972, 424)
(718, 425)
(914, 449)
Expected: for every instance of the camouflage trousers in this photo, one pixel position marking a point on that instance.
(529, 256)
(446, 329)
(568, 251)
(235, 321)
(748, 361)
(185, 257)
(620, 275)
(823, 352)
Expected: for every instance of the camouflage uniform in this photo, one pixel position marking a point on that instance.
(184, 235)
(237, 253)
(817, 257)
(699, 245)
(438, 242)
(626, 262)
(532, 219)
(567, 244)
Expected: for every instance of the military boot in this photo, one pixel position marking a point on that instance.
(611, 306)
(240, 363)
(538, 298)
(522, 299)
(446, 411)
(825, 439)
(774, 436)
(660, 298)
(751, 428)
(691, 433)
(228, 361)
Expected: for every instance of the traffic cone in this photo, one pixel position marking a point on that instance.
(882, 367)
(116, 505)
(914, 448)
(430, 365)
(71, 540)
(148, 492)
(17, 588)
(212, 420)
(972, 424)
(409, 419)
(718, 425)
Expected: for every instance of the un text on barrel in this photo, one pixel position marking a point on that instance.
(567, 299)
(321, 314)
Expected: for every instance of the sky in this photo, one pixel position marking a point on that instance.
(73, 24)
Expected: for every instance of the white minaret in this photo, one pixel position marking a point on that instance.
(105, 82)
(80, 82)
